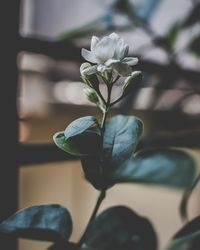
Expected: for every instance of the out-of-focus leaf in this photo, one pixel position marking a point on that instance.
(185, 199)
(194, 46)
(80, 138)
(122, 6)
(120, 228)
(145, 9)
(164, 166)
(173, 33)
(82, 31)
(188, 238)
(193, 17)
(42, 222)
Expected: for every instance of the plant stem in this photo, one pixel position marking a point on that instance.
(103, 122)
(103, 191)
(93, 216)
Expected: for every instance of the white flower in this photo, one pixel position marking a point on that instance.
(109, 53)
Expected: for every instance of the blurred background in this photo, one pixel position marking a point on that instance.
(46, 85)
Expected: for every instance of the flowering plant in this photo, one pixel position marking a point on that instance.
(109, 155)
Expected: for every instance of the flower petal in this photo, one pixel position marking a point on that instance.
(102, 68)
(94, 42)
(123, 69)
(114, 36)
(109, 62)
(90, 70)
(121, 49)
(104, 49)
(131, 61)
(89, 56)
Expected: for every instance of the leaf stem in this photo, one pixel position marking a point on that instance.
(94, 213)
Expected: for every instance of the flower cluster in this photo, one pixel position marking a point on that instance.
(109, 54)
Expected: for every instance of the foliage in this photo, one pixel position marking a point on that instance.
(108, 150)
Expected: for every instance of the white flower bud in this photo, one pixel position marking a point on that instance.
(84, 66)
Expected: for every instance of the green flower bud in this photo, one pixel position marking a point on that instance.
(131, 81)
(91, 95)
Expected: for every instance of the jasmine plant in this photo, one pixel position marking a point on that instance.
(109, 155)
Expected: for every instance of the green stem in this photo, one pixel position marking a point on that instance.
(94, 213)
(103, 192)
(103, 122)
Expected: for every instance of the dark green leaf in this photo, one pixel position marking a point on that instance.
(80, 138)
(194, 46)
(193, 17)
(166, 166)
(79, 126)
(95, 173)
(185, 198)
(173, 33)
(188, 238)
(119, 228)
(43, 222)
(67, 146)
(121, 137)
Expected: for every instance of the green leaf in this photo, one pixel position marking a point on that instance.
(188, 238)
(120, 228)
(194, 46)
(80, 125)
(67, 146)
(95, 172)
(42, 222)
(173, 33)
(185, 198)
(165, 166)
(80, 138)
(82, 31)
(121, 137)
